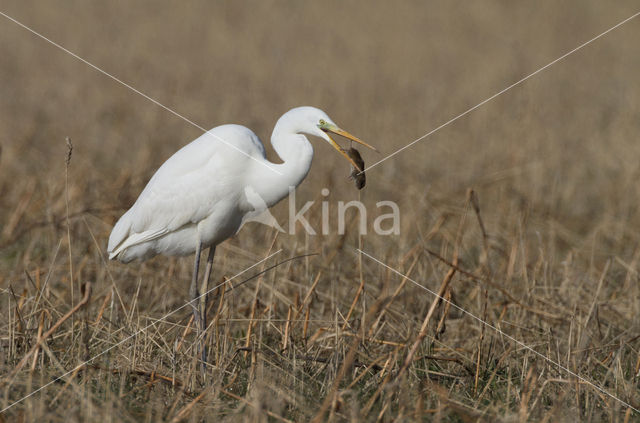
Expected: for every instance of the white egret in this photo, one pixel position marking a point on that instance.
(202, 194)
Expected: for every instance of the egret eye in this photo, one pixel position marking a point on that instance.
(322, 122)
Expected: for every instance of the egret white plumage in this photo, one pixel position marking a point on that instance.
(202, 194)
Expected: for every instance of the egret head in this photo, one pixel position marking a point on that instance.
(313, 121)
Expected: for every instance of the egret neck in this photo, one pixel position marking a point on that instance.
(296, 153)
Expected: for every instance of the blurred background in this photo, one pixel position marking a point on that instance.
(565, 139)
(553, 161)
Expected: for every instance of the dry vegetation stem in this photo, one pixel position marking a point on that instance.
(47, 334)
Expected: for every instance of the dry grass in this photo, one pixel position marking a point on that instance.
(553, 163)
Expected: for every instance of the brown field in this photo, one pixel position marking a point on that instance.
(553, 163)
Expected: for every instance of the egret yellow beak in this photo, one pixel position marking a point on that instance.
(331, 128)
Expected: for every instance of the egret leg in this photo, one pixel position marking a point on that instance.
(204, 289)
(193, 289)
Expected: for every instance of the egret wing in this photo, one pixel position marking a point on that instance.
(135, 239)
(188, 187)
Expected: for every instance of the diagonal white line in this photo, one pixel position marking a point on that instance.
(520, 343)
(153, 323)
(501, 92)
(154, 101)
